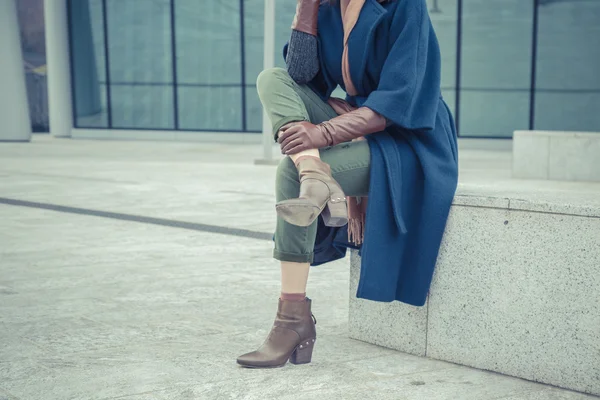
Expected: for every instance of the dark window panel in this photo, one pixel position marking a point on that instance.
(210, 108)
(496, 44)
(568, 60)
(254, 22)
(569, 45)
(443, 14)
(253, 110)
(97, 119)
(574, 111)
(142, 107)
(208, 41)
(87, 63)
(254, 51)
(139, 41)
(285, 15)
(96, 15)
(254, 38)
(497, 114)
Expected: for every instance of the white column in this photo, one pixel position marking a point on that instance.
(268, 62)
(59, 70)
(14, 109)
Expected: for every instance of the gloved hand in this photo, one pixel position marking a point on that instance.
(299, 136)
(305, 19)
(340, 106)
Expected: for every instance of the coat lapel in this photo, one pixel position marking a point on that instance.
(360, 39)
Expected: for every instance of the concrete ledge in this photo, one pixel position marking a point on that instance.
(516, 290)
(166, 135)
(568, 156)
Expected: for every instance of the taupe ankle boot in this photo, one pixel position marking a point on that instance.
(292, 337)
(319, 193)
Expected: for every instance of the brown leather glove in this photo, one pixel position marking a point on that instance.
(305, 19)
(299, 136)
(340, 106)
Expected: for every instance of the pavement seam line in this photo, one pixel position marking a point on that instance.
(141, 219)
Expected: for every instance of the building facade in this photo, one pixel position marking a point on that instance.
(191, 65)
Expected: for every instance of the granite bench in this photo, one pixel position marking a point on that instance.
(516, 288)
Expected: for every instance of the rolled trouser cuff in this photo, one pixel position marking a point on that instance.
(293, 257)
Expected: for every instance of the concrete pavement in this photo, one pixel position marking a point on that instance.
(107, 297)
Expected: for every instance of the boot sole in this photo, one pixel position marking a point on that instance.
(296, 357)
(298, 213)
(257, 367)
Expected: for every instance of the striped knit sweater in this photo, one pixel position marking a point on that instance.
(302, 58)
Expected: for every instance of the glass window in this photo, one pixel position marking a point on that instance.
(493, 113)
(444, 17)
(142, 106)
(568, 63)
(567, 111)
(495, 67)
(496, 44)
(209, 62)
(124, 77)
(285, 15)
(140, 63)
(208, 42)
(254, 111)
(139, 39)
(254, 13)
(210, 108)
(88, 62)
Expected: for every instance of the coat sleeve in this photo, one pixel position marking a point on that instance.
(408, 91)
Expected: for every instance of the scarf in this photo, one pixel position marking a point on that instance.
(357, 206)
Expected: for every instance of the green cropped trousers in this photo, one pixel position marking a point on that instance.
(286, 101)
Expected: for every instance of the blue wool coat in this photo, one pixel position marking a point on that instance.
(395, 65)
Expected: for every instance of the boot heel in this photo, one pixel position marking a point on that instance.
(303, 353)
(335, 213)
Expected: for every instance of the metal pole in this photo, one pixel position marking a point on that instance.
(59, 69)
(268, 62)
(14, 108)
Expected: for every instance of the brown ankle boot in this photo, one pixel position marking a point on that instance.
(292, 337)
(319, 193)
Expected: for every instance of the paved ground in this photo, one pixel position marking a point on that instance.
(103, 306)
